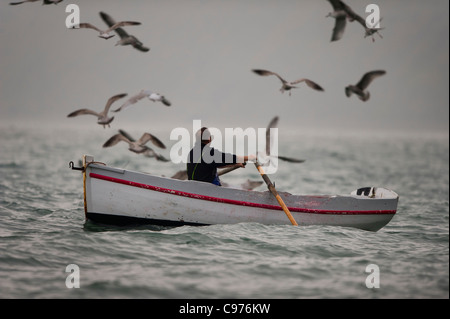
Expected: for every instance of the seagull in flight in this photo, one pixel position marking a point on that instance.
(342, 13)
(360, 88)
(273, 124)
(341, 19)
(138, 146)
(287, 86)
(125, 38)
(102, 117)
(352, 16)
(43, 2)
(144, 93)
(106, 34)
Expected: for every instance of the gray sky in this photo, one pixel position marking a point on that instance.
(201, 57)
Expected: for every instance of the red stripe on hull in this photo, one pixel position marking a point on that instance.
(232, 201)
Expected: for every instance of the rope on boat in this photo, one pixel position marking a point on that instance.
(72, 165)
(94, 162)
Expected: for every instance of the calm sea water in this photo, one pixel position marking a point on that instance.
(43, 229)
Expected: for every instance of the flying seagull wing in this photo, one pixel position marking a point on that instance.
(273, 124)
(89, 26)
(138, 45)
(110, 22)
(368, 78)
(339, 28)
(165, 101)
(83, 112)
(113, 140)
(151, 153)
(266, 73)
(132, 100)
(341, 20)
(122, 24)
(14, 3)
(290, 159)
(112, 99)
(310, 83)
(352, 15)
(128, 136)
(149, 137)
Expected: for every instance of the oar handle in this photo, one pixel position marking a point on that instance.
(229, 169)
(275, 193)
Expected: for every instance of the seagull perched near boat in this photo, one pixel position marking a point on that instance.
(144, 93)
(138, 146)
(250, 185)
(125, 38)
(360, 88)
(102, 117)
(106, 34)
(43, 2)
(287, 86)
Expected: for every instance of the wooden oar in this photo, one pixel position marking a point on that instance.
(229, 169)
(275, 193)
(182, 175)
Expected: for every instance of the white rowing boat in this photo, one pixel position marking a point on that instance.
(118, 196)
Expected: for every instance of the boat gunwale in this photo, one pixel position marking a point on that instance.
(239, 202)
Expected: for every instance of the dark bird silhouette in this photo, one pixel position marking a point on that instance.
(287, 86)
(102, 117)
(106, 34)
(43, 2)
(273, 124)
(340, 17)
(125, 38)
(352, 16)
(360, 88)
(138, 146)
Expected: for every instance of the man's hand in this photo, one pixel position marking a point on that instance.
(251, 158)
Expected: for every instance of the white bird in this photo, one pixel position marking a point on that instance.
(125, 38)
(102, 117)
(106, 34)
(144, 93)
(138, 146)
(43, 2)
(360, 88)
(287, 86)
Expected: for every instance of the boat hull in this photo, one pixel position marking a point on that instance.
(117, 196)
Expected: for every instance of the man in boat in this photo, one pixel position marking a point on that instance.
(203, 160)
